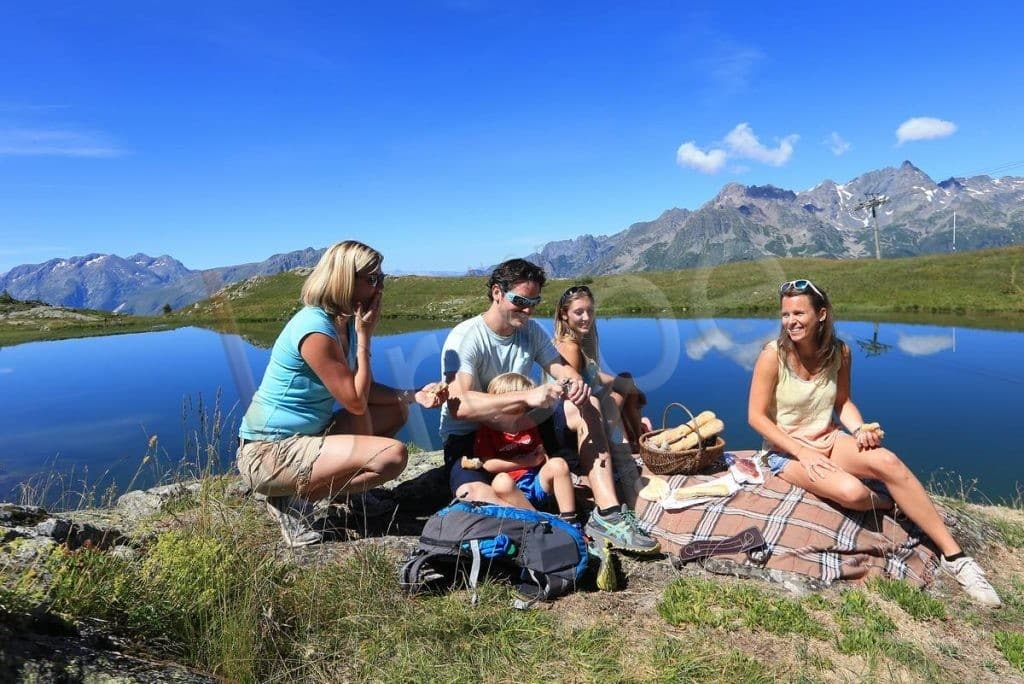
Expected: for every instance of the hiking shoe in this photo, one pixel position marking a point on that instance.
(971, 577)
(294, 516)
(371, 504)
(620, 529)
(607, 571)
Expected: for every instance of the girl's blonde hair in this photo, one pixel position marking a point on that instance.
(588, 343)
(332, 284)
(509, 382)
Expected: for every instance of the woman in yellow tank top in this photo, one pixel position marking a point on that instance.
(801, 384)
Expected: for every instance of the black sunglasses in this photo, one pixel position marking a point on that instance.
(575, 289)
(375, 279)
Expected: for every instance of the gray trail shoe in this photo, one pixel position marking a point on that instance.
(971, 577)
(621, 531)
(294, 516)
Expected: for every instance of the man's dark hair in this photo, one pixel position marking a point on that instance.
(513, 271)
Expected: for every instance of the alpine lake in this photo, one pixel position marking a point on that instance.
(85, 418)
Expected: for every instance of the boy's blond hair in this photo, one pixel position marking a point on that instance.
(509, 382)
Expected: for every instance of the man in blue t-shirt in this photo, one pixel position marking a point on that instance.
(503, 339)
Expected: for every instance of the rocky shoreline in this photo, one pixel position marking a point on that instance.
(36, 644)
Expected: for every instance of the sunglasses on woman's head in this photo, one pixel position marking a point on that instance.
(575, 289)
(802, 285)
(521, 302)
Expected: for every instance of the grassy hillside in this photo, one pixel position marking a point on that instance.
(982, 289)
(30, 321)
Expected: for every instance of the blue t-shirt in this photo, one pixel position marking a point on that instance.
(473, 348)
(291, 399)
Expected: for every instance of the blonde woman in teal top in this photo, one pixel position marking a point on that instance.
(294, 447)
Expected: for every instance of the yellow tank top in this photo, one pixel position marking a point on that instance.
(803, 409)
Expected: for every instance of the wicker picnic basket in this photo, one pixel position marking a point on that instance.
(664, 462)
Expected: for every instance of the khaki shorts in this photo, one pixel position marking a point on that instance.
(281, 467)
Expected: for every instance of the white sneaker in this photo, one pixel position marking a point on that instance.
(971, 577)
(294, 516)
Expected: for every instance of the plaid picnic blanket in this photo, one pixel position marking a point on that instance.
(805, 534)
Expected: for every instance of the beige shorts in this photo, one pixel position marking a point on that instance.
(281, 467)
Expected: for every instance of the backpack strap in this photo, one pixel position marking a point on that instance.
(474, 570)
(416, 574)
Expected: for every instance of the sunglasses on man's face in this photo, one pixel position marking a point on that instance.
(575, 290)
(521, 302)
(802, 285)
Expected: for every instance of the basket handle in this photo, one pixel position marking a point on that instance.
(664, 423)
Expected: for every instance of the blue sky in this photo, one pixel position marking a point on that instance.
(453, 134)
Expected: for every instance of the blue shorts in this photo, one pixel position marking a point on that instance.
(529, 485)
(777, 460)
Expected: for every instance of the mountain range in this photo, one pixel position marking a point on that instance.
(754, 222)
(740, 223)
(138, 284)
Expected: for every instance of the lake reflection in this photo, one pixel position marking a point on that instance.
(948, 398)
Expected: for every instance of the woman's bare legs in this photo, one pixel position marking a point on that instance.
(354, 463)
(903, 485)
(595, 457)
(846, 489)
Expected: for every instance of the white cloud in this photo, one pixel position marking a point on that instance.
(714, 338)
(836, 143)
(690, 155)
(740, 143)
(924, 128)
(25, 142)
(924, 345)
(743, 143)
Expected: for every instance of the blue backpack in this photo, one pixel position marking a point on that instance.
(541, 554)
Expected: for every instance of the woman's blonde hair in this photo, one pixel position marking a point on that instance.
(588, 343)
(332, 284)
(509, 382)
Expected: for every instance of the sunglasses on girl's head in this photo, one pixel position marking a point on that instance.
(520, 301)
(801, 285)
(576, 289)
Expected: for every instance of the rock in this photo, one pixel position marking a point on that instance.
(42, 647)
(14, 514)
(76, 534)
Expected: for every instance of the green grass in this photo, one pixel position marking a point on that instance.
(932, 285)
(865, 630)
(1011, 532)
(1011, 645)
(219, 595)
(915, 602)
(707, 603)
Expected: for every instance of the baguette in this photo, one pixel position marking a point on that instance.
(873, 427)
(691, 440)
(680, 431)
(705, 489)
